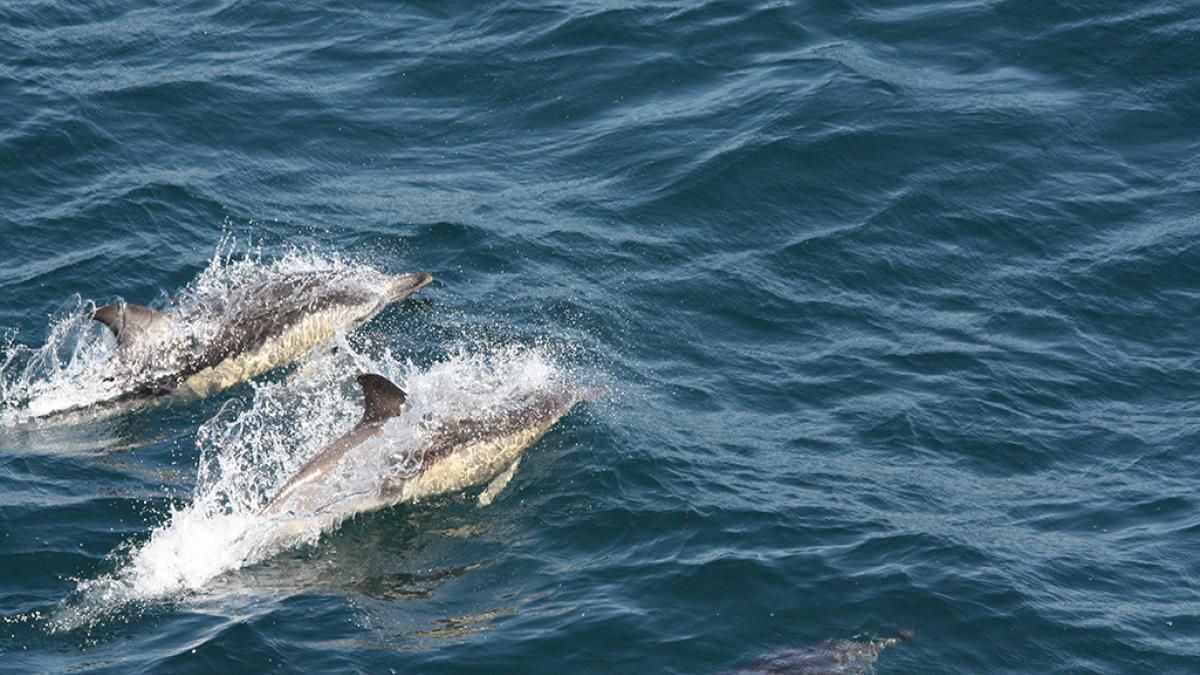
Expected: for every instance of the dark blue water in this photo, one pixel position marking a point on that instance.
(898, 306)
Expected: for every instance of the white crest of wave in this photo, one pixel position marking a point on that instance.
(75, 369)
(249, 451)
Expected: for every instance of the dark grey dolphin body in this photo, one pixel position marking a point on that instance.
(457, 455)
(220, 342)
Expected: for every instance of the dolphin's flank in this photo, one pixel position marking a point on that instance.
(457, 455)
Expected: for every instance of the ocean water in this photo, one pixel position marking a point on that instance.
(895, 307)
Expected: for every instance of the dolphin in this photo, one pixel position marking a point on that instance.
(457, 454)
(218, 342)
(830, 656)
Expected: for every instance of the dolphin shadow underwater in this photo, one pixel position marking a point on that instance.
(828, 657)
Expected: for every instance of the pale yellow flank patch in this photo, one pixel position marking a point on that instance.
(473, 464)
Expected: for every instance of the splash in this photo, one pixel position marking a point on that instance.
(249, 450)
(78, 368)
(62, 374)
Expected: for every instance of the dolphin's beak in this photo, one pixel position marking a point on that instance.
(407, 284)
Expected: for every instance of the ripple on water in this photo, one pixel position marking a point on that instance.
(895, 304)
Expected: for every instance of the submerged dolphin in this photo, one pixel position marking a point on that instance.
(218, 343)
(830, 656)
(457, 455)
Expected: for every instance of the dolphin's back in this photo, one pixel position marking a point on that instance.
(382, 400)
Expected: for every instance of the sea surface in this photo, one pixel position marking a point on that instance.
(896, 308)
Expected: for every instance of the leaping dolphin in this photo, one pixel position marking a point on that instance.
(457, 455)
(218, 343)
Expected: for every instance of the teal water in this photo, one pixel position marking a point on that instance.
(897, 306)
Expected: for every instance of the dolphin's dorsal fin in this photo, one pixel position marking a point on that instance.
(127, 321)
(383, 399)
